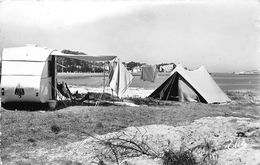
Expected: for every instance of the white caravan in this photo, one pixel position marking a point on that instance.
(29, 73)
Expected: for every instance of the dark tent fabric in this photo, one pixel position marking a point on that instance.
(192, 86)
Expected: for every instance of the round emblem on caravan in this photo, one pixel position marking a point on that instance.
(19, 91)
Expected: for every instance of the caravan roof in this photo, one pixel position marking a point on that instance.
(26, 53)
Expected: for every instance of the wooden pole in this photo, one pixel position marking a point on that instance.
(104, 78)
(104, 85)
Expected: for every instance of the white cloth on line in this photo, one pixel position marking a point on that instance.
(121, 79)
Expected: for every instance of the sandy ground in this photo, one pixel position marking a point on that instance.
(142, 93)
(220, 131)
(130, 92)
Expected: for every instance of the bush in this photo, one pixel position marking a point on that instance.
(55, 128)
(179, 158)
(99, 125)
(31, 140)
(122, 146)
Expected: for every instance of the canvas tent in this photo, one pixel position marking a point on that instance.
(184, 85)
(29, 73)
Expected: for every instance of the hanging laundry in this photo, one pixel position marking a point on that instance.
(149, 73)
(121, 79)
(112, 66)
(167, 68)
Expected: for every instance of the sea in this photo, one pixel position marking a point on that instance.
(238, 82)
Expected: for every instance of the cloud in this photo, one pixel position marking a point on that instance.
(59, 13)
(212, 34)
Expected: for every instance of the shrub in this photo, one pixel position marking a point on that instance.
(178, 158)
(31, 140)
(207, 151)
(123, 146)
(55, 128)
(99, 125)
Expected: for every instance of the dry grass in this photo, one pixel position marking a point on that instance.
(29, 130)
(244, 97)
(75, 123)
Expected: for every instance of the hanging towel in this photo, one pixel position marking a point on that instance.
(121, 79)
(149, 73)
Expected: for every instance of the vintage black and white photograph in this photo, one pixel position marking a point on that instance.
(130, 82)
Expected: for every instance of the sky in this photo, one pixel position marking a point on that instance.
(223, 36)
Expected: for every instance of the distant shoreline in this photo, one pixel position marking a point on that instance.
(139, 73)
(246, 73)
(89, 74)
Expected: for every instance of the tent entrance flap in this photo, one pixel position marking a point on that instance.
(168, 90)
(187, 92)
(171, 92)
